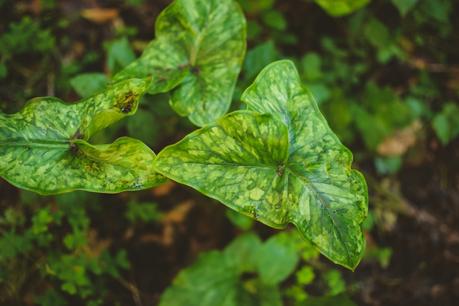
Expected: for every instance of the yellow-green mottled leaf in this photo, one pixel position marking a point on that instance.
(235, 161)
(341, 7)
(280, 163)
(197, 53)
(330, 197)
(44, 147)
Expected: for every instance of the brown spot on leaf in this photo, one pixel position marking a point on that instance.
(128, 102)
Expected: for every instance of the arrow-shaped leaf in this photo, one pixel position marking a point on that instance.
(333, 198)
(283, 166)
(199, 44)
(44, 147)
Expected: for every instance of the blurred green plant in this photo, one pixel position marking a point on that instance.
(446, 123)
(57, 246)
(251, 272)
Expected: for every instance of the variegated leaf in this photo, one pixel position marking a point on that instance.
(280, 163)
(44, 147)
(197, 53)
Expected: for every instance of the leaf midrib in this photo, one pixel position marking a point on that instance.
(36, 143)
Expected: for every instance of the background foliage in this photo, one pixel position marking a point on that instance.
(386, 77)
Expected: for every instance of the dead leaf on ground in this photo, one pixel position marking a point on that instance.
(170, 221)
(399, 142)
(100, 15)
(179, 213)
(163, 189)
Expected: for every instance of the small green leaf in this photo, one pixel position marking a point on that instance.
(404, 6)
(275, 20)
(377, 34)
(241, 221)
(44, 147)
(88, 84)
(197, 52)
(341, 7)
(242, 253)
(208, 282)
(446, 123)
(284, 166)
(277, 259)
(142, 212)
(258, 57)
(119, 54)
(335, 282)
(305, 276)
(311, 64)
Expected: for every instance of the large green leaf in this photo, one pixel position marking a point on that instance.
(341, 7)
(197, 52)
(283, 166)
(44, 147)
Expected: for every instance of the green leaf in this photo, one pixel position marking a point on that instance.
(44, 147)
(242, 253)
(404, 6)
(197, 52)
(258, 57)
(275, 20)
(327, 199)
(377, 34)
(222, 278)
(87, 84)
(440, 10)
(119, 54)
(208, 282)
(446, 123)
(311, 64)
(335, 282)
(283, 167)
(341, 7)
(277, 259)
(305, 276)
(241, 221)
(142, 212)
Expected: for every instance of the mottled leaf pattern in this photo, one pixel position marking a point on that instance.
(236, 161)
(198, 52)
(280, 163)
(44, 147)
(341, 7)
(330, 198)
